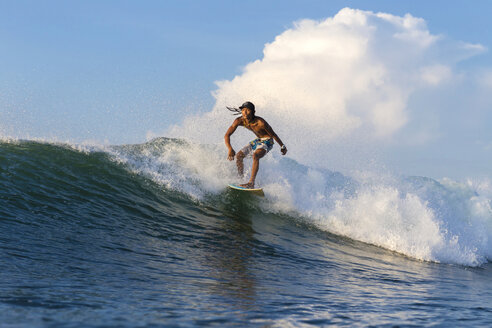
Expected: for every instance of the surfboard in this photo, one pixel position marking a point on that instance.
(253, 191)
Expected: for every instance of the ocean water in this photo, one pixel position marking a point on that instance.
(148, 235)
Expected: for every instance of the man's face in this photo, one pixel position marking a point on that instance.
(247, 113)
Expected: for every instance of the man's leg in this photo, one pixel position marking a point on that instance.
(259, 153)
(239, 163)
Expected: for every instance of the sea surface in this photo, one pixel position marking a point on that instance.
(148, 235)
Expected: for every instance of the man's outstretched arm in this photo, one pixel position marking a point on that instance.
(227, 138)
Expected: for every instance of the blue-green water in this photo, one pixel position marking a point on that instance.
(125, 237)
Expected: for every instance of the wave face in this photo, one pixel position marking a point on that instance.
(419, 217)
(82, 225)
(441, 221)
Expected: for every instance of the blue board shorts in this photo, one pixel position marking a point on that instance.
(258, 143)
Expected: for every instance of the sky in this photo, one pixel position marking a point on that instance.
(125, 71)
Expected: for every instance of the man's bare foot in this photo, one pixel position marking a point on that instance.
(249, 185)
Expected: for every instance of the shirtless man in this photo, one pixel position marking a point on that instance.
(258, 147)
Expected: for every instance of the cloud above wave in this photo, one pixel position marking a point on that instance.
(348, 77)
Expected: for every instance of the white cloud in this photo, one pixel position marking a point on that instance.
(436, 74)
(348, 77)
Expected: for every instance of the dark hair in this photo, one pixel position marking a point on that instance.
(237, 111)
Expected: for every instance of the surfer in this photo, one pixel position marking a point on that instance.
(256, 148)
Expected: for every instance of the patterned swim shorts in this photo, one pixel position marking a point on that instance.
(258, 143)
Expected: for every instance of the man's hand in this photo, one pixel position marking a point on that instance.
(231, 155)
(283, 149)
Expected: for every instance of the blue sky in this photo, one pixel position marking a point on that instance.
(114, 70)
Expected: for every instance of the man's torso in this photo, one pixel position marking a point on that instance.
(257, 126)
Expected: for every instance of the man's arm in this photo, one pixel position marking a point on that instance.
(227, 138)
(272, 134)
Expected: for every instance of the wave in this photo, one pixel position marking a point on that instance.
(441, 221)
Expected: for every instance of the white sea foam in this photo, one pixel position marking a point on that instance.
(422, 218)
(193, 169)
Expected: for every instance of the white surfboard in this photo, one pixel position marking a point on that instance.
(254, 191)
